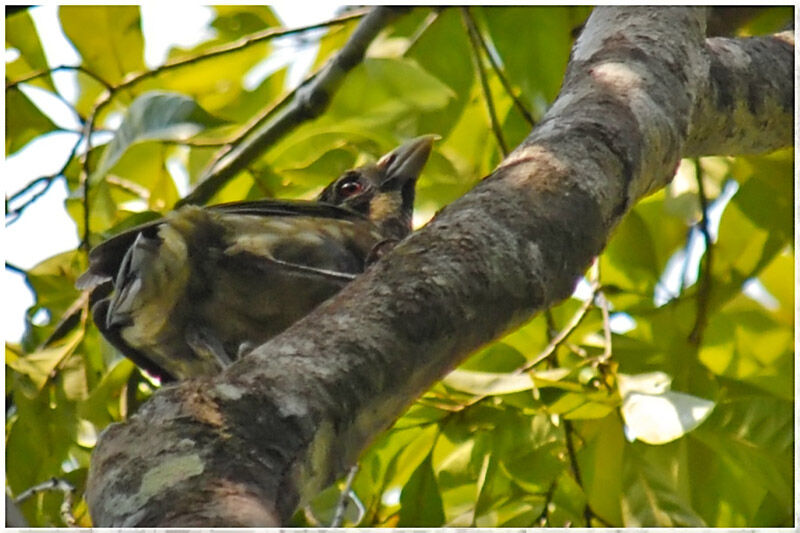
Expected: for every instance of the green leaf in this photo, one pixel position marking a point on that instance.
(536, 470)
(567, 503)
(747, 240)
(108, 38)
(451, 64)
(649, 498)
(744, 342)
(534, 43)
(380, 90)
(755, 433)
(40, 365)
(21, 34)
(234, 21)
(155, 115)
(498, 357)
(102, 405)
(487, 383)
(407, 461)
(600, 463)
(420, 501)
(629, 261)
(25, 123)
(215, 81)
(778, 279)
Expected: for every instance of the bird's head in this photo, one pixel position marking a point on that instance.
(384, 191)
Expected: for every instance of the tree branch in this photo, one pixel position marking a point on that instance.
(311, 99)
(743, 105)
(247, 446)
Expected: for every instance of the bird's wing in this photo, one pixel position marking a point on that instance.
(106, 258)
(99, 312)
(271, 208)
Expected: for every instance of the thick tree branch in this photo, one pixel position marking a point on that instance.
(746, 102)
(244, 448)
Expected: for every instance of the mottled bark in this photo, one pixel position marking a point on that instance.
(246, 447)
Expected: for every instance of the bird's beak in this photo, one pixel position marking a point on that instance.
(404, 163)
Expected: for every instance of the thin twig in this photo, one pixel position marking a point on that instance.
(500, 74)
(544, 517)
(85, 174)
(53, 484)
(237, 45)
(602, 302)
(16, 212)
(574, 322)
(569, 430)
(45, 72)
(487, 93)
(14, 268)
(704, 287)
(569, 433)
(687, 248)
(338, 516)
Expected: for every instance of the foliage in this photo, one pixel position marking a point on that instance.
(702, 374)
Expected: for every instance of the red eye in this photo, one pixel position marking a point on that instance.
(350, 188)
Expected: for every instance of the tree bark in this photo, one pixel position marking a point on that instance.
(246, 447)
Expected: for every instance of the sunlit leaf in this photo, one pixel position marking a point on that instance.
(114, 46)
(155, 115)
(650, 500)
(656, 415)
(754, 433)
(21, 35)
(25, 123)
(39, 366)
(487, 382)
(420, 501)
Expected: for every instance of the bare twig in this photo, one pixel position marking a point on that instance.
(704, 287)
(543, 518)
(338, 516)
(53, 484)
(602, 302)
(46, 72)
(17, 211)
(564, 333)
(14, 268)
(686, 257)
(237, 45)
(310, 100)
(573, 464)
(487, 93)
(85, 173)
(501, 75)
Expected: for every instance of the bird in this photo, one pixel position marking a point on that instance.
(187, 294)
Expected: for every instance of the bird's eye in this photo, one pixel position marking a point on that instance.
(350, 187)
